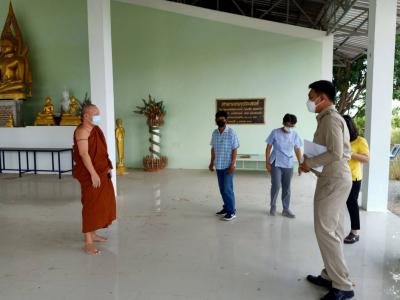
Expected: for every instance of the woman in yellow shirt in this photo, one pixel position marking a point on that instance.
(359, 155)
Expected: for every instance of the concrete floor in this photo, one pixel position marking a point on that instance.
(167, 243)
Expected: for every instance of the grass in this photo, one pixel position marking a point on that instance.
(394, 169)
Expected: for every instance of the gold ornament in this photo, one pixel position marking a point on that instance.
(15, 75)
(10, 121)
(71, 117)
(119, 137)
(46, 116)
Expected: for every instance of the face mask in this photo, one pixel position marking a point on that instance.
(220, 123)
(287, 129)
(311, 106)
(96, 120)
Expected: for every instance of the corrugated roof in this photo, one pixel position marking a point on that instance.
(347, 20)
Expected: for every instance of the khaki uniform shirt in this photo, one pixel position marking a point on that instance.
(332, 133)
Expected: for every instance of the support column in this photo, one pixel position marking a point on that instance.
(381, 36)
(101, 70)
(327, 58)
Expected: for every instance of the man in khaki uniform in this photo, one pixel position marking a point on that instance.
(333, 188)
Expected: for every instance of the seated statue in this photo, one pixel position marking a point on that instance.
(46, 117)
(15, 75)
(13, 72)
(48, 108)
(71, 117)
(74, 106)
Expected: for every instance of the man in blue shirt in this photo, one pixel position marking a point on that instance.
(283, 141)
(224, 144)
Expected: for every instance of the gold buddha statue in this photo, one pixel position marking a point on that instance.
(15, 75)
(74, 106)
(10, 121)
(119, 137)
(46, 116)
(72, 117)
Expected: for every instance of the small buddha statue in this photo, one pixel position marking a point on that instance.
(74, 106)
(120, 136)
(71, 116)
(15, 76)
(46, 116)
(10, 121)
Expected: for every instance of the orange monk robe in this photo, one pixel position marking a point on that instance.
(98, 204)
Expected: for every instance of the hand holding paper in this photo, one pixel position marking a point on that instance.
(311, 149)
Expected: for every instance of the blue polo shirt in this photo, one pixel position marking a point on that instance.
(223, 144)
(283, 145)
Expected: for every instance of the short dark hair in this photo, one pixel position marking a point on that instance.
(352, 127)
(221, 113)
(326, 87)
(289, 118)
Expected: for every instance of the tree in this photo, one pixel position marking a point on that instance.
(396, 79)
(350, 80)
(351, 83)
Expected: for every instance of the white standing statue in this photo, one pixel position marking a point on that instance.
(65, 101)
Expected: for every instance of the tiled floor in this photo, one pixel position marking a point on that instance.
(167, 243)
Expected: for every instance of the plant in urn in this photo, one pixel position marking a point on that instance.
(154, 112)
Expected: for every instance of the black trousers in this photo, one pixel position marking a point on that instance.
(352, 205)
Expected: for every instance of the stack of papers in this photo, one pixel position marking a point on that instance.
(312, 149)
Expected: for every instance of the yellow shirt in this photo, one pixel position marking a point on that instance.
(359, 146)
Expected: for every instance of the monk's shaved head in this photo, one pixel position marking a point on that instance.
(89, 109)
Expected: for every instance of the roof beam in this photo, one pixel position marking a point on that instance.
(348, 29)
(323, 12)
(345, 11)
(304, 13)
(350, 34)
(238, 7)
(351, 20)
(266, 12)
(355, 30)
(335, 7)
(350, 48)
(287, 11)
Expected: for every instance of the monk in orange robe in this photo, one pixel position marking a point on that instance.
(92, 169)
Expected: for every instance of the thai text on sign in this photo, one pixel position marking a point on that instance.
(243, 111)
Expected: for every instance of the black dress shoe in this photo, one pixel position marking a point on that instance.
(318, 280)
(351, 238)
(335, 294)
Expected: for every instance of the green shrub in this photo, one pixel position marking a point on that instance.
(360, 124)
(395, 138)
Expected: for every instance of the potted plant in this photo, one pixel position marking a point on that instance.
(154, 112)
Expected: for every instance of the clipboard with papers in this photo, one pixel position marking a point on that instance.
(311, 150)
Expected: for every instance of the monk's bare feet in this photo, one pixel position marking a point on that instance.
(98, 238)
(91, 249)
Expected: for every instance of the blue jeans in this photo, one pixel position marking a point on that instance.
(281, 177)
(225, 182)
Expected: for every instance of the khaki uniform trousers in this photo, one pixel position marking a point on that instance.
(329, 211)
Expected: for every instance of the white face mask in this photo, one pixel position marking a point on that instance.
(287, 129)
(96, 120)
(311, 106)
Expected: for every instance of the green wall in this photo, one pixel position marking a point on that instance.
(189, 62)
(57, 36)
